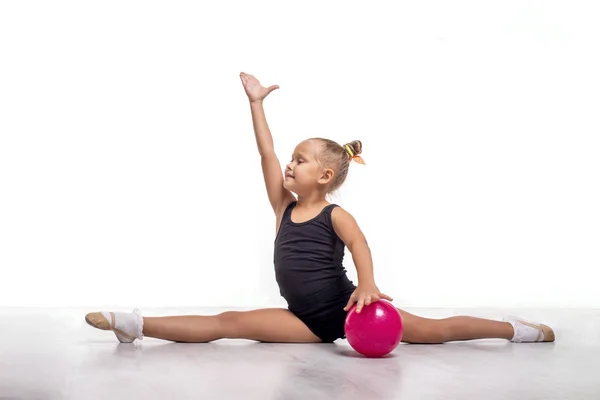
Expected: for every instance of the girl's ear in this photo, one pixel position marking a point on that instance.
(326, 176)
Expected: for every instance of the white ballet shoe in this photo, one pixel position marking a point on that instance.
(528, 332)
(126, 326)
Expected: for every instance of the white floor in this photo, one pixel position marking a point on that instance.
(52, 354)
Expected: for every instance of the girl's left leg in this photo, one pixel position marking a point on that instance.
(432, 331)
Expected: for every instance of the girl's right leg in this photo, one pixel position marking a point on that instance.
(458, 328)
(265, 325)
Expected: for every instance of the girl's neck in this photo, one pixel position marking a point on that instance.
(310, 201)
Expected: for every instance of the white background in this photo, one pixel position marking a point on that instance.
(129, 173)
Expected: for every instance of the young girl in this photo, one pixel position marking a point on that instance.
(311, 236)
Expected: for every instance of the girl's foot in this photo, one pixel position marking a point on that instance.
(126, 326)
(526, 331)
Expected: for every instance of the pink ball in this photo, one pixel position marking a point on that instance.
(375, 331)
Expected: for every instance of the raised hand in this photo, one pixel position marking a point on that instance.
(255, 91)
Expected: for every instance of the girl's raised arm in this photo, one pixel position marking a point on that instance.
(279, 196)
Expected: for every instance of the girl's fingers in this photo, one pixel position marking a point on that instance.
(360, 305)
(351, 301)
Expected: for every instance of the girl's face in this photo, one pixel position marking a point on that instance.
(303, 173)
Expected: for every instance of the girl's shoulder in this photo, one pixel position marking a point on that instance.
(345, 226)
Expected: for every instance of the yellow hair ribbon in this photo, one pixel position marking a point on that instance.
(352, 156)
(349, 150)
(358, 159)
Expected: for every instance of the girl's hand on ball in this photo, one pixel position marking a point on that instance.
(255, 91)
(365, 295)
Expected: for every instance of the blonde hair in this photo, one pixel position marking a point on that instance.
(337, 157)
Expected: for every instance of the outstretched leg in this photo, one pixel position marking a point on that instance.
(425, 330)
(265, 325)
